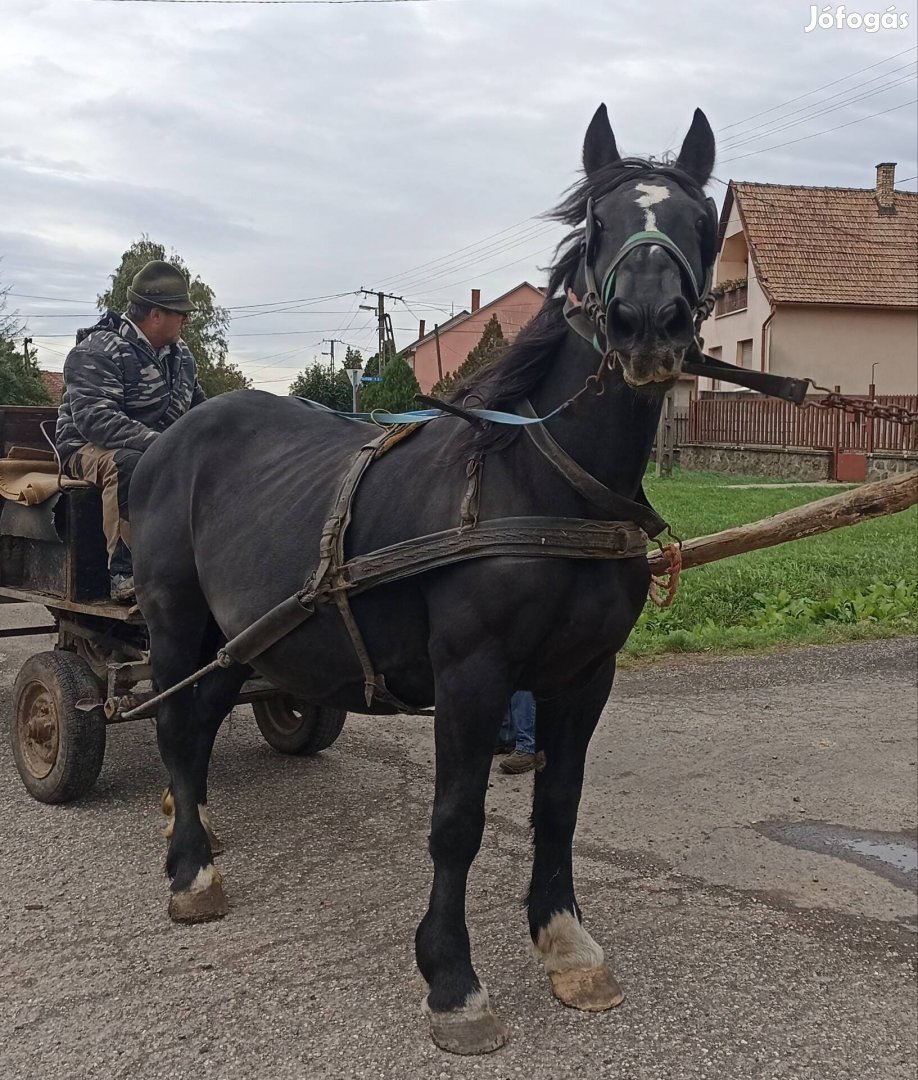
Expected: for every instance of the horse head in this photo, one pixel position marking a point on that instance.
(648, 249)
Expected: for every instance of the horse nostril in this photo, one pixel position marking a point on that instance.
(623, 321)
(674, 321)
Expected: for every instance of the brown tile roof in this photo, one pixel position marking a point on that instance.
(54, 384)
(826, 245)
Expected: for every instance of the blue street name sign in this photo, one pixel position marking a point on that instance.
(371, 378)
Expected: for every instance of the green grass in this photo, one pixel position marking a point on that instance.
(854, 583)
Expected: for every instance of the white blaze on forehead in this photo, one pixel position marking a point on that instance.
(651, 194)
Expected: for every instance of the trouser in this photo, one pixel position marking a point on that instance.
(519, 723)
(110, 470)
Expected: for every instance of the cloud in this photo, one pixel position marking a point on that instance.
(297, 151)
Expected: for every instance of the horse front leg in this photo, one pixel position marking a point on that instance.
(574, 962)
(465, 727)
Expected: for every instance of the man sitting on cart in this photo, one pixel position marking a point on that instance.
(127, 379)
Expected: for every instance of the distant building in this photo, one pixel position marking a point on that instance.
(460, 334)
(819, 282)
(54, 384)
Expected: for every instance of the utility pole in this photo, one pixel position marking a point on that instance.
(26, 342)
(439, 358)
(384, 323)
(331, 342)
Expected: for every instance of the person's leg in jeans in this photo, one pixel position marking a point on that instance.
(522, 715)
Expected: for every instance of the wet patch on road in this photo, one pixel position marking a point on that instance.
(892, 855)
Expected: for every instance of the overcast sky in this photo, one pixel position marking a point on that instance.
(297, 151)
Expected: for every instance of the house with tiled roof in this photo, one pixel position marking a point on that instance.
(54, 384)
(441, 351)
(819, 282)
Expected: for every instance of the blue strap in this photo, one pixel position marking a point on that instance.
(383, 418)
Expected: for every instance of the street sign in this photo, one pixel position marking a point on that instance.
(371, 378)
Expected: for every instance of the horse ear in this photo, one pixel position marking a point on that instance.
(599, 147)
(697, 154)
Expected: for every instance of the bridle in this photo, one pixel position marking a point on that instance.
(587, 316)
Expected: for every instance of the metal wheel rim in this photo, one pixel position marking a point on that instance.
(39, 729)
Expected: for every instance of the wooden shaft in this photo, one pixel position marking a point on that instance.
(848, 508)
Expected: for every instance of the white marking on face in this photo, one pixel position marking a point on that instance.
(565, 946)
(651, 194)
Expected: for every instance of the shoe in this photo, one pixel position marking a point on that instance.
(122, 590)
(518, 762)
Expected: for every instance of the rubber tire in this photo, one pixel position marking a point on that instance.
(277, 721)
(81, 735)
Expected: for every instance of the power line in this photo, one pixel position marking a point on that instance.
(495, 269)
(820, 112)
(810, 93)
(410, 272)
(800, 97)
(488, 252)
(804, 138)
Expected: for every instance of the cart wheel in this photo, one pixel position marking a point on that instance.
(58, 748)
(295, 727)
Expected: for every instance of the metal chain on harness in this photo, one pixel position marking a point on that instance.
(897, 414)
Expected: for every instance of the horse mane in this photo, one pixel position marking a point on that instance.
(525, 363)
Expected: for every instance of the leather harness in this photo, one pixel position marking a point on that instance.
(625, 536)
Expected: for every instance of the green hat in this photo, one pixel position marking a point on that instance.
(162, 286)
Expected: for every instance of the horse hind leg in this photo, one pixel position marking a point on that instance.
(213, 640)
(186, 726)
(167, 805)
(574, 962)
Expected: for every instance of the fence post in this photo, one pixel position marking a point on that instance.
(664, 465)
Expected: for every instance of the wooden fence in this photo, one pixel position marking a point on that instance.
(768, 422)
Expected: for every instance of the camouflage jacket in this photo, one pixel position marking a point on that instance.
(118, 393)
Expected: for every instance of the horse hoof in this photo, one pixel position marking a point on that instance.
(203, 902)
(461, 1033)
(590, 989)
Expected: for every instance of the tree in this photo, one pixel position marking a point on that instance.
(204, 332)
(20, 381)
(490, 348)
(397, 390)
(319, 383)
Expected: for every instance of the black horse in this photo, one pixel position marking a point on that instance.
(228, 506)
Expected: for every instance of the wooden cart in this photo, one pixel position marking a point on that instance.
(53, 554)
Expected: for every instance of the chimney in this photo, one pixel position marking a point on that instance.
(476, 300)
(886, 182)
(421, 327)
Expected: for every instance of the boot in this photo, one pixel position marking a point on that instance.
(121, 573)
(518, 762)
(122, 588)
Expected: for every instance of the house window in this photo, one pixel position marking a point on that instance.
(744, 353)
(717, 352)
(734, 296)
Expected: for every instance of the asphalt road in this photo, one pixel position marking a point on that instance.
(741, 956)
